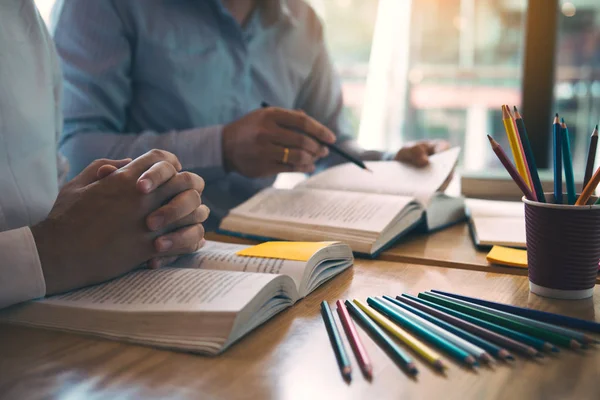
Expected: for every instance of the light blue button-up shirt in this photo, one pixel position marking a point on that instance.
(169, 74)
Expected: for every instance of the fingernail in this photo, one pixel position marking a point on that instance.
(146, 185)
(202, 243)
(156, 222)
(325, 151)
(164, 244)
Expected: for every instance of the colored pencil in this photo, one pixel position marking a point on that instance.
(529, 340)
(528, 179)
(569, 333)
(591, 158)
(513, 140)
(415, 344)
(510, 168)
(568, 161)
(425, 333)
(470, 343)
(533, 314)
(360, 352)
(336, 341)
(535, 176)
(332, 146)
(387, 343)
(493, 338)
(589, 189)
(557, 143)
(543, 334)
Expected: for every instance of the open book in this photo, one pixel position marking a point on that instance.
(367, 210)
(499, 223)
(203, 303)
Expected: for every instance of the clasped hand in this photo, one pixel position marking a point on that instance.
(118, 215)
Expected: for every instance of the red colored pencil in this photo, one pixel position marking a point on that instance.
(510, 168)
(359, 349)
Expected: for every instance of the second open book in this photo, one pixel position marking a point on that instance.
(367, 210)
(203, 303)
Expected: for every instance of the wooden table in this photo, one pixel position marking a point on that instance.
(290, 356)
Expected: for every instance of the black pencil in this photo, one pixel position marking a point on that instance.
(336, 342)
(591, 158)
(332, 147)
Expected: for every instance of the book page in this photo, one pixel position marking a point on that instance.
(222, 256)
(388, 177)
(367, 212)
(169, 289)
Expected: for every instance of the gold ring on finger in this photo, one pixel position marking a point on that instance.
(286, 154)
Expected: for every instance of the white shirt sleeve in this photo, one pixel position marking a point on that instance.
(21, 276)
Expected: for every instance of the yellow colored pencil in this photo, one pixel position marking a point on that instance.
(515, 147)
(415, 344)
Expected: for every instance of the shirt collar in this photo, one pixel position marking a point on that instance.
(277, 10)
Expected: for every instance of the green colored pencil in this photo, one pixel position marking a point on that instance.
(544, 334)
(426, 334)
(336, 341)
(396, 353)
(511, 333)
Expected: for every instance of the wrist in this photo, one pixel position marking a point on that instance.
(45, 235)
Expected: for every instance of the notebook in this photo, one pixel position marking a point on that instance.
(499, 223)
(203, 303)
(367, 210)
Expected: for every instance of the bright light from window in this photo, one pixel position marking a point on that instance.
(568, 9)
(45, 6)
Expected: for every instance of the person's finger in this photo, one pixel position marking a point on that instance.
(91, 173)
(147, 160)
(198, 216)
(440, 145)
(301, 121)
(155, 176)
(178, 207)
(180, 183)
(182, 241)
(159, 262)
(416, 155)
(289, 138)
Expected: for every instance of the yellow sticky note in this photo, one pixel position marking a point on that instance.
(297, 251)
(507, 256)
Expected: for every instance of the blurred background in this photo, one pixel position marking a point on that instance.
(442, 68)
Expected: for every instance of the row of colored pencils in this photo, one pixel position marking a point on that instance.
(524, 170)
(469, 330)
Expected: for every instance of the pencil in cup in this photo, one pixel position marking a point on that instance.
(482, 348)
(589, 189)
(336, 341)
(591, 158)
(535, 177)
(549, 337)
(398, 355)
(579, 336)
(568, 163)
(360, 352)
(510, 168)
(424, 351)
(557, 143)
(424, 333)
(528, 340)
(514, 141)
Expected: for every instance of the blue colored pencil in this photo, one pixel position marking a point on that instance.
(557, 142)
(461, 333)
(535, 176)
(429, 336)
(566, 150)
(398, 355)
(544, 316)
(336, 341)
(529, 340)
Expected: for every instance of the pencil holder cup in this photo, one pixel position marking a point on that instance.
(563, 248)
